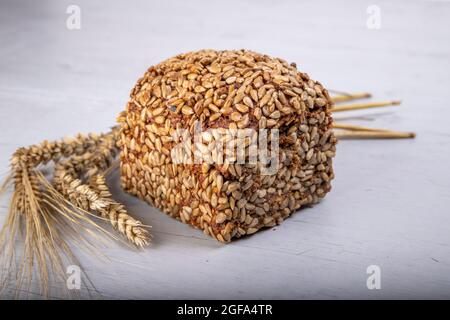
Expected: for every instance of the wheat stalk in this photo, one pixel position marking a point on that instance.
(360, 132)
(354, 127)
(40, 213)
(385, 134)
(350, 96)
(46, 151)
(43, 223)
(97, 198)
(69, 175)
(118, 215)
(358, 106)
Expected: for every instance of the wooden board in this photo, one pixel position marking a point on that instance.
(389, 203)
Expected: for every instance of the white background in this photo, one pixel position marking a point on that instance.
(389, 203)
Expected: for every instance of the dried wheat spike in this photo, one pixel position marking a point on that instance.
(97, 198)
(68, 179)
(43, 223)
(118, 215)
(46, 151)
(78, 193)
(90, 163)
(24, 160)
(41, 216)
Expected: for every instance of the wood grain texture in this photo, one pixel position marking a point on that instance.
(389, 203)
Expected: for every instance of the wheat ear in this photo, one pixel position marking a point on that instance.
(41, 216)
(95, 196)
(118, 215)
(39, 220)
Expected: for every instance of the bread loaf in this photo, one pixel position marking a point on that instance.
(186, 114)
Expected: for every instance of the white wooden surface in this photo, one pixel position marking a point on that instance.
(389, 203)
